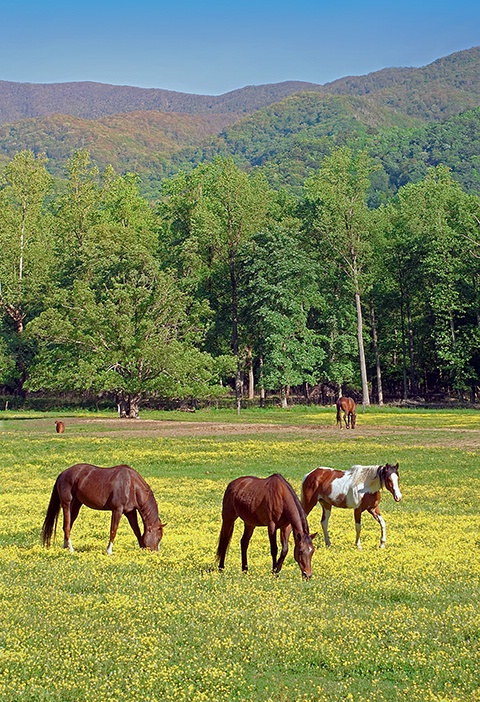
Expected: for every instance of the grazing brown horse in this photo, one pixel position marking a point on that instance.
(357, 488)
(269, 502)
(59, 427)
(119, 489)
(349, 409)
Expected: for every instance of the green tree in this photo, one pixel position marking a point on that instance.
(435, 236)
(116, 321)
(26, 251)
(280, 299)
(339, 225)
(208, 215)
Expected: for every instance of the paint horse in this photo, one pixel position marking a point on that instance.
(349, 409)
(357, 488)
(120, 490)
(269, 502)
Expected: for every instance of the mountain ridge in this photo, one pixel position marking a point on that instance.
(459, 71)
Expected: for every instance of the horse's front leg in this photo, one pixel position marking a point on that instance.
(116, 514)
(284, 536)
(326, 512)
(272, 535)
(133, 521)
(358, 526)
(244, 541)
(374, 511)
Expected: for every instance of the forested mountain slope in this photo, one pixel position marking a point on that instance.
(135, 141)
(407, 118)
(95, 100)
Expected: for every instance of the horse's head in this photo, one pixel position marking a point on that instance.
(152, 536)
(303, 552)
(390, 479)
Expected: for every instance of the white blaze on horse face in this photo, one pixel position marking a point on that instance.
(397, 495)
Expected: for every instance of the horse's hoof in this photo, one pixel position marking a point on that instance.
(382, 545)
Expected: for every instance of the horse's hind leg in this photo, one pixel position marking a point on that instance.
(116, 514)
(326, 512)
(376, 515)
(244, 541)
(67, 524)
(358, 527)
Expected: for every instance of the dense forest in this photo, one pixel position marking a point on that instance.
(227, 284)
(328, 239)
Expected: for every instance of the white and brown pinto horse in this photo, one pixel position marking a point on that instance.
(357, 489)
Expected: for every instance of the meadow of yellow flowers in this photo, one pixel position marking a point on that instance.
(375, 625)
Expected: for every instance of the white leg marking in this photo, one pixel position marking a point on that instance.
(110, 549)
(67, 543)
(383, 537)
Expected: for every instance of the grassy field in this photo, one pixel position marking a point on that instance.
(395, 624)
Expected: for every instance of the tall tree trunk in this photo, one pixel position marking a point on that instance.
(262, 387)
(377, 355)
(413, 369)
(361, 350)
(404, 351)
(234, 340)
(251, 379)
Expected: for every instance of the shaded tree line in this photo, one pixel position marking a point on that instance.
(226, 285)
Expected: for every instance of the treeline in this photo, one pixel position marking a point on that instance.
(227, 285)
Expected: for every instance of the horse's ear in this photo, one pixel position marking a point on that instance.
(163, 525)
(396, 465)
(314, 535)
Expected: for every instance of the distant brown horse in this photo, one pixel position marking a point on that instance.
(119, 489)
(357, 488)
(269, 502)
(349, 409)
(59, 427)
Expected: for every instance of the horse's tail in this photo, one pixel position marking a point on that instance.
(228, 522)
(339, 412)
(50, 524)
(224, 539)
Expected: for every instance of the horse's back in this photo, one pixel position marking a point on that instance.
(257, 501)
(317, 486)
(99, 488)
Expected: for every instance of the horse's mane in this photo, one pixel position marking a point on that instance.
(298, 504)
(149, 509)
(362, 474)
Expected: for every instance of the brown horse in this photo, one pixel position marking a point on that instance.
(357, 488)
(119, 489)
(59, 427)
(349, 409)
(269, 502)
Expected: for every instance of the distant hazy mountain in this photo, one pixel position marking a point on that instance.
(409, 118)
(446, 86)
(94, 100)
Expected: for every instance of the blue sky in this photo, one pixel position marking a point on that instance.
(212, 47)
